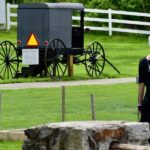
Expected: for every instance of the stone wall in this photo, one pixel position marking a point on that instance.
(89, 135)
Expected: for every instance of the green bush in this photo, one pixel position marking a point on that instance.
(132, 5)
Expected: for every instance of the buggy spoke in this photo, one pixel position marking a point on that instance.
(2, 59)
(9, 48)
(96, 47)
(92, 69)
(13, 67)
(3, 50)
(96, 70)
(99, 64)
(2, 68)
(4, 71)
(57, 68)
(54, 44)
(6, 47)
(14, 58)
(7, 72)
(11, 72)
(60, 67)
(12, 53)
(2, 63)
(93, 47)
(2, 55)
(57, 44)
(14, 62)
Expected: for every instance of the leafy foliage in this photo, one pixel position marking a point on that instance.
(130, 5)
(146, 5)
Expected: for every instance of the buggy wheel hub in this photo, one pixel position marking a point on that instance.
(93, 60)
(7, 60)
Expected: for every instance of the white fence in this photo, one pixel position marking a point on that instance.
(10, 15)
(109, 20)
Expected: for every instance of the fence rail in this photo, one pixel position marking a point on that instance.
(109, 20)
(10, 15)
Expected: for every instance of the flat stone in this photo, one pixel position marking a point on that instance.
(12, 135)
(138, 133)
(85, 135)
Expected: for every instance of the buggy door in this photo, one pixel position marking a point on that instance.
(78, 33)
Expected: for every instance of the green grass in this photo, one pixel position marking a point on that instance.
(26, 108)
(9, 35)
(123, 50)
(10, 145)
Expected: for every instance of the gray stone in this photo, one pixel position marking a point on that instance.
(137, 133)
(89, 135)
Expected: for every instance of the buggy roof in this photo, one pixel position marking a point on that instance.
(73, 6)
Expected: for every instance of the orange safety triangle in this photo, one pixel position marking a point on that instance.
(32, 40)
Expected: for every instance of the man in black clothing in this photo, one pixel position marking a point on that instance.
(144, 89)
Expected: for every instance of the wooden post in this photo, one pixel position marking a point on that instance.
(70, 65)
(63, 103)
(93, 106)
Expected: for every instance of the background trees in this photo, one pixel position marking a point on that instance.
(130, 5)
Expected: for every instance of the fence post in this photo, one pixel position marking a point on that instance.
(8, 16)
(110, 21)
(70, 65)
(93, 107)
(63, 103)
(149, 40)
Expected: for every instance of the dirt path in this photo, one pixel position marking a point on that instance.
(66, 83)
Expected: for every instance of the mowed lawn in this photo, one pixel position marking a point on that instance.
(30, 107)
(122, 50)
(10, 145)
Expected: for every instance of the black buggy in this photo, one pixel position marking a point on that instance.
(46, 39)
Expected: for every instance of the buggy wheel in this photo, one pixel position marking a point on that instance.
(94, 59)
(9, 61)
(55, 61)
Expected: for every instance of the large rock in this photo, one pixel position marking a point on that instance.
(137, 133)
(89, 135)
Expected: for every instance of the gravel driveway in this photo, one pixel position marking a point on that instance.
(66, 83)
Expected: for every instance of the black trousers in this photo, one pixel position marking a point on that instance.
(145, 112)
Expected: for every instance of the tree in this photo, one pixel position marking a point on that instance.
(14, 1)
(146, 5)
